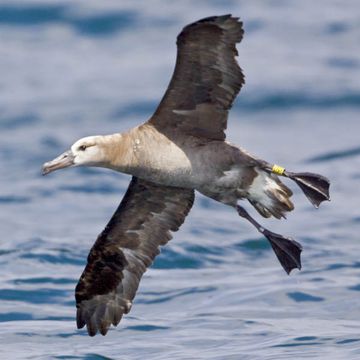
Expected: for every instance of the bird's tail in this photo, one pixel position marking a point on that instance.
(269, 195)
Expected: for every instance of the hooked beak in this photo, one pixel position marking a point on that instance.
(64, 160)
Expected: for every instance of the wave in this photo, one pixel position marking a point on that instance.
(298, 100)
(335, 155)
(92, 25)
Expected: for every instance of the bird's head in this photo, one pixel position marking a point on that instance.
(88, 151)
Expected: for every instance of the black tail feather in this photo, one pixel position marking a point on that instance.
(314, 186)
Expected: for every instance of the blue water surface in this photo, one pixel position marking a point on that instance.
(72, 69)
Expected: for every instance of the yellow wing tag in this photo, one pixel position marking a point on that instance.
(276, 169)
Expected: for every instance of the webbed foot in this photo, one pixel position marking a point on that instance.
(287, 250)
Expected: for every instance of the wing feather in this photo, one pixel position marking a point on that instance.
(206, 80)
(124, 250)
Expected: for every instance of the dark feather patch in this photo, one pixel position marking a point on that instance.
(206, 76)
(124, 250)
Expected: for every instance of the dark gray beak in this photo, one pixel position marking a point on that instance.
(64, 160)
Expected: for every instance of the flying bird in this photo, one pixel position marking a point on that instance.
(180, 149)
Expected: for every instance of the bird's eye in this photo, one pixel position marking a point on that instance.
(82, 147)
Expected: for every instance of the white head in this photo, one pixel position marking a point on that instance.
(88, 151)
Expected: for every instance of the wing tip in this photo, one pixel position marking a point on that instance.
(102, 300)
(231, 24)
(94, 325)
(99, 318)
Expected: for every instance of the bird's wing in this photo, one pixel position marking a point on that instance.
(123, 251)
(205, 82)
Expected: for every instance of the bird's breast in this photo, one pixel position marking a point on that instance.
(161, 161)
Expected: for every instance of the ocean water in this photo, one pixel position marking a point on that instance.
(72, 69)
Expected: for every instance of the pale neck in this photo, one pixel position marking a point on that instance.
(118, 150)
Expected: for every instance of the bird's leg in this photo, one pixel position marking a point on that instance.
(314, 186)
(286, 249)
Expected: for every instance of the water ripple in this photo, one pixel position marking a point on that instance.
(44, 280)
(343, 63)
(171, 259)
(103, 188)
(18, 121)
(347, 341)
(15, 316)
(299, 296)
(37, 296)
(298, 100)
(170, 295)
(147, 327)
(84, 357)
(11, 199)
(337, 27)
(103, 24)
(60, 257)
(91, 25)
(252, 245)
(355, 287)
(335, 155)
(298, 343)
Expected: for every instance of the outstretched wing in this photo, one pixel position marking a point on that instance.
(124, 250)
(206, 80)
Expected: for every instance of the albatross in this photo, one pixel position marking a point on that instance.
(180, 149)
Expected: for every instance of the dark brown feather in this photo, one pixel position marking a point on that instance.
(206, 80)
(124, 250)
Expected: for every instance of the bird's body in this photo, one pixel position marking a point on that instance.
(216, 168)
(180, 149)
